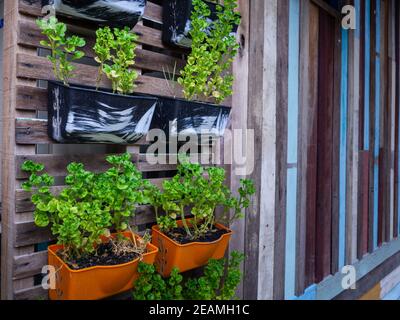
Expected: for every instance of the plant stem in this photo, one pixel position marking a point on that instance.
(185, 223)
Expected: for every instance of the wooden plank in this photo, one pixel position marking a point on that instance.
(370, 128)
(363, 203)
(376, 120)
(267, 165)
(371, 270)
(32, 293)
(153, 11)
(29, 35)
(392, 119)
(373, 294)
(281, 152)
(362, 72)
(308, 124)
(337, 76)
(292, 148)
(29, 264)
(397, 125)
(325, 151)
(363, 187)
(390, 282)
(31, 98)
(353, 133)
(255, 121)
(343, 149)
(8, 150)
(239, 116)
(387, 138)
(33, 67)
(56, 165)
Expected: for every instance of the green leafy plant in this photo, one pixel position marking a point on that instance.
(64, 49)
(202, 191)
(91, 204)
(151, 286)
(115, 53)
(219, 282)
(214, 47)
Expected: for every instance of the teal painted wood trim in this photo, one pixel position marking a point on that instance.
(394, 294)
(331, 287)
(367, 67)
(343, 148)
(377, 121)
(291, 236)
(293, 115)
(358, 18)
(293, 75)
(309, 295)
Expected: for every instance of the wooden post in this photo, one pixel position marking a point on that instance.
(261, 117)
(8, 148)
(239, 115)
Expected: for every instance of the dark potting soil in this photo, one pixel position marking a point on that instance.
(104, 257)
(179, 235)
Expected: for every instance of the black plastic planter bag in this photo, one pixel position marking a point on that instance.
(84, 115)
(181, 117)
(115, 13)
(177, 23)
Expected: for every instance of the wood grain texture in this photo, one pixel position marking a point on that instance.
(308, 127)
(29, 35)
(239, 116)
(371, 126)
(32, 67)
(255, 121)
(363, 204)
(325, 150)
(281, 152)
(397, 124)
(353, 133)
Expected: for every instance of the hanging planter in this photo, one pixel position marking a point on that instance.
(182, 117)
(80, 114)
(114, 13)
(97, 282)
(188, 256)
(89, 262)
(190, 243)
(177, 21)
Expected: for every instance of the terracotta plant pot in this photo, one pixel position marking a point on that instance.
(96, 282)
(189, 256)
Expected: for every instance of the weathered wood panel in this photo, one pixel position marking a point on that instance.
(325, 144)
(56, 164)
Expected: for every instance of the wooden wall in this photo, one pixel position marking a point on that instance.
(343, 128)
(26, 132)
(323, 103)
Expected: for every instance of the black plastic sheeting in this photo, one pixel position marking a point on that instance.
(114, 13)
(83, 115)
(188, 118)
(177, 23)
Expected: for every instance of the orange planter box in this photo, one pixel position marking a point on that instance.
(187, 256)
(96, 282)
